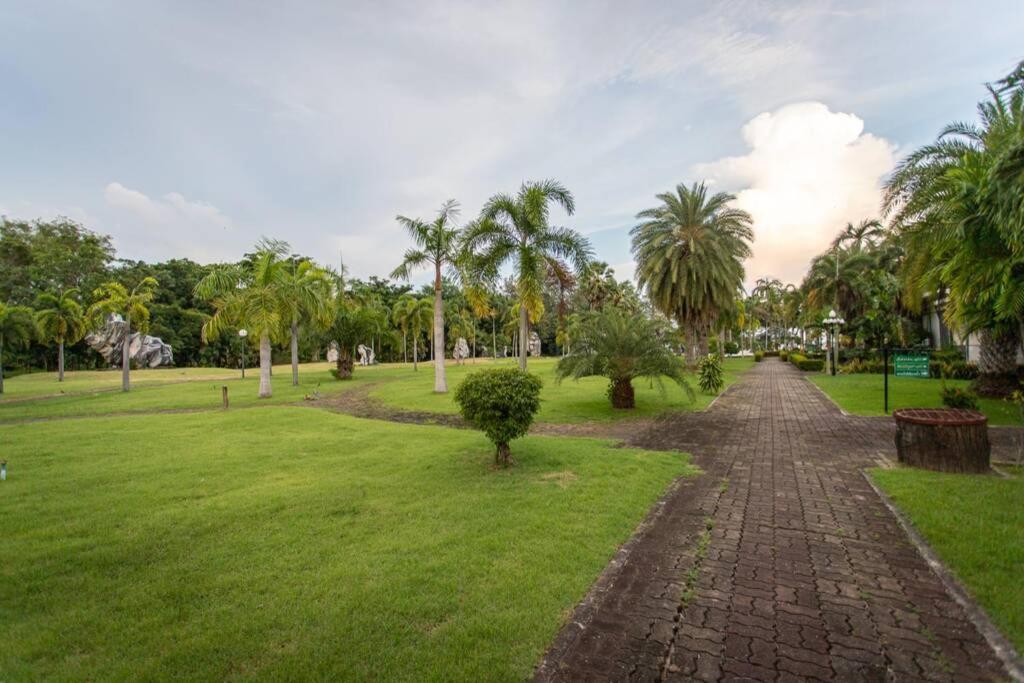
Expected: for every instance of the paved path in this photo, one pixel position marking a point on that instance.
(781, 563)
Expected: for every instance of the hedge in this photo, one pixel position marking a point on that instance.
(806, 364)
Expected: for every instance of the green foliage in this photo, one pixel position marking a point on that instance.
(731, 348)
(621, 346)
(710, 377)
(806, 364)
(784, 356)
(955, 397)
(758, 356)
(17, 328)
(501, 403)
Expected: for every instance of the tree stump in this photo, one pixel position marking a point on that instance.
(944, 440)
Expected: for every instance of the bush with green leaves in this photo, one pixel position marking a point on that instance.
(955, 397)
(784, 356)
(731, 348)
(758, 356)
(501, 403)
(710, 378)
(806, 364)
(622, 346)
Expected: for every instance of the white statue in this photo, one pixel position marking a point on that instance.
(332, 353)
(534, 347)
(366, 355)
(144, 351)
(461, 350)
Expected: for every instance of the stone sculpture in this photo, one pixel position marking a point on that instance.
(332, 352)
(144, 351)
(461, 351)
(534, 347)
(366, 355)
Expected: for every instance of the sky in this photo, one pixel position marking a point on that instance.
(191, 129)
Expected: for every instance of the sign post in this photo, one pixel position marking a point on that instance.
(905, 363)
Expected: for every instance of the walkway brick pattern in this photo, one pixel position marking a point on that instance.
(779, 564)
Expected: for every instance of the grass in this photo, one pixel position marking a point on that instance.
(976, 524)
(863, 394)
(293, 543)
(567, 402)
(38, 384)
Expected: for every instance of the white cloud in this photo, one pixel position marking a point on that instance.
(809, 171)
(167, 227)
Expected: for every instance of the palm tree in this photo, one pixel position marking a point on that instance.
(250, 296)
(115, 298)
(399, 320)
(516, 229)
(952, 207)
(305, 294)
(60, 319)
(356, 317)
(416, 316)
(866, 233)
(16, 327)
(621, 346)
(689, 252)
(438, 245)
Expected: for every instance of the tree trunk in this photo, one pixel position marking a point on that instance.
(997, 363)
(690, 331)
(265, 389)
(622, 395)
(440, 381)
(415, 354)
(1, 364)
(125, 359)
(405, 347)
(524, 334)
(344, 364)
(494, 340)
(295, 352)
(943, 440)
(60, 361)
(503, 456)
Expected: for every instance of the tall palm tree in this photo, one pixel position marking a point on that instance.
(60, 319)
(438, 244)
(306, 296)
(133, 304)
(689, 252)
(516, 229)
(251, 296)
(16, 327)
(414, 315)
(399, 320)
(866, 233)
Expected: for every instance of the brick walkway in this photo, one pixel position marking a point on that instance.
(781, 563)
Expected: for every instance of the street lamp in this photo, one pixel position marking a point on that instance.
(242, 334)
(832, 323)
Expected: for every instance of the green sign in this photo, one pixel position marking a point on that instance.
(910, 364)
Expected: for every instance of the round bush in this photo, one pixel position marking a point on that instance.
(500, 403)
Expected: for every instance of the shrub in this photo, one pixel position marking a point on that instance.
(758, 356)
(806, 364)
(784, 356)
(731, 348)
(955, 397)
(771, 353)
(861, 366)
(710, 377)
(501, 403)
(953, 369)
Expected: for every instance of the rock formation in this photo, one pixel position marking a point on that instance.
(144, 351)
(366, 355)
(534, 347)
(461, 350)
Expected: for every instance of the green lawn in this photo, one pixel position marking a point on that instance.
(294, 543)
(862, 395)
(45, 383)
(976, 524)
(569, 401)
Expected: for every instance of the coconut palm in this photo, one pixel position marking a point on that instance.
(516, 229)
(306, 297)
(356, 317)
(250, 295)
(621, 346)
(60, 319)
(438, 244)
(866, 233)
(689, 252)
(17, 327)
(131, 305)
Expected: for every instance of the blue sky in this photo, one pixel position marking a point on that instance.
(193, 128)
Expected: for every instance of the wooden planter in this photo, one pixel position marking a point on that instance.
(945, 440)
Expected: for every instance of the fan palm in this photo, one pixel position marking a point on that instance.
(621, 346)
(132, 305)
(438, 245)
(516, 229)
(689, 252)
(60, 319)
(16, 327)
(250, 295)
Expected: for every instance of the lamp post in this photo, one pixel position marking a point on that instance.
(242, 334)
(832, 323)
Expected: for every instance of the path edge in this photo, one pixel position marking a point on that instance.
(1000, 644)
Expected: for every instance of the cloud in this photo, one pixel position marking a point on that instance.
(156, 229)
(809, 171)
